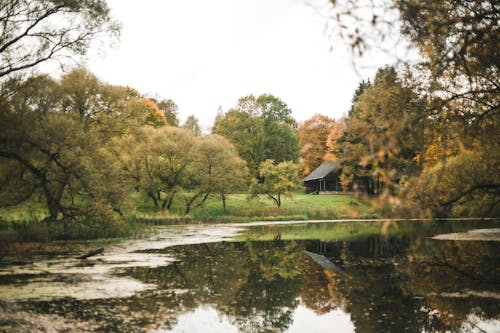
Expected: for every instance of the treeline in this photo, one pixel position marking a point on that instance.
(426, 134)
(82, 146)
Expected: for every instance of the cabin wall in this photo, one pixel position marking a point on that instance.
(331, 183)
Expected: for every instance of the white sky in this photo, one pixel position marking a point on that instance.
(203, 54)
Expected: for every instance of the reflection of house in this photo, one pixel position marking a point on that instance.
(326, 178)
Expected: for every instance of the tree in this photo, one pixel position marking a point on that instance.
(145, 112)
(57, 155)
(385, 132)
(246, 134)
(277, 180)
(192, 124)
(457, 78)
(170, 109)
(458, 41)
(156, 161)
(260, 128)
(313, 136)
(362, 86)
(217, 169)
(333, 140)
(466, 184)
(82, 91)
(36, 31)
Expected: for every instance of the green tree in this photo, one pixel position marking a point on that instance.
(260, 128)
(81, 92)
(171, 111)
(156, 161)
(58, 157)
(36, 31)
(245, 133)
(362, 86)
(217, 169)
(277, 180)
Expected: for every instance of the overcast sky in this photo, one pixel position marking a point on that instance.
(205, 54)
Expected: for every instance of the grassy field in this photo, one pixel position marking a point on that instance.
(240, 209)
(22, 223)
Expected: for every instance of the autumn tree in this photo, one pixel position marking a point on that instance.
(457, 76)
(465, 184)
(36, 31)
(385, 132)
(260, 128)
(333, 140)
(145, 111)
(313, 135)
(277, 180)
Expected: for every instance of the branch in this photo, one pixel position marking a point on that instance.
(495, 187)
(29, 28)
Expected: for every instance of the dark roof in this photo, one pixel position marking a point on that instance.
(322, 171)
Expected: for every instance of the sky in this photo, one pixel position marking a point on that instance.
(205, 54)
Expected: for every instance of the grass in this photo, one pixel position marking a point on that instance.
(240, 209)
(301, 207)
(22, 223)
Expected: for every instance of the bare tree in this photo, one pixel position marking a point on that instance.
(35, 31)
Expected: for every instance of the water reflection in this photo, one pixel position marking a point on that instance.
(390, 281)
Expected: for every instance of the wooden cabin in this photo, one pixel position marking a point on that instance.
(324, 178)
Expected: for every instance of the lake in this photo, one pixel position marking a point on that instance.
(351, 276)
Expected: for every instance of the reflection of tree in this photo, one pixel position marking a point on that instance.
(256, 284)
(451, 276)
(395, 284)
(406, 284)
(369, 289)
(319, 290)
(279, 260)
(376, 302)
(267, 300)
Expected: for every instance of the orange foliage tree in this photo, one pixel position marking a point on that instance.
(146, 112)
(313, 135)
(332, 143)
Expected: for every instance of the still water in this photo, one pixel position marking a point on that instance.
(378, 276)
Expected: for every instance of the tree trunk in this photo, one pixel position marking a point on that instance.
(169, 200)
(223, 197)
(155, 200)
